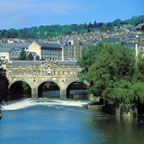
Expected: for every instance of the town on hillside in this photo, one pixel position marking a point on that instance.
(69, 47)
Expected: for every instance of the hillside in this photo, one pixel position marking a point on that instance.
(41, 32)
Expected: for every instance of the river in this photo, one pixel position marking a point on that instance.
(56, 123)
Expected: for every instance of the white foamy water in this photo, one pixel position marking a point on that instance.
(20, 104)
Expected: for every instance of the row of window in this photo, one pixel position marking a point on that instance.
(51, 52)
(63, 72)
(51, 58)
(56, 49)
(141, 48)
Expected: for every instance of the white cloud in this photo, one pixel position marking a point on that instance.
(55, 7)
(15, 11)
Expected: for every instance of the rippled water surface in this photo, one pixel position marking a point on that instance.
(66, 125)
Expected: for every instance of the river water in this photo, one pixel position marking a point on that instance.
(59, 124)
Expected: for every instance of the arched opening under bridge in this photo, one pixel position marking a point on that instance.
(18, 90)
(49, 90)
(140, 108)
(3, 88)
(77, 90)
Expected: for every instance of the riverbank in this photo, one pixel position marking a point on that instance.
(23, 103)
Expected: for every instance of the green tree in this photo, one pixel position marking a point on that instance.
(12, 33)
(22, 55)
(89, 53)
(138, 91)
(26, 87)
(142, 28)
(114, 64)
(117, 22)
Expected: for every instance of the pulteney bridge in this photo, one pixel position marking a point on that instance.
(36, 73)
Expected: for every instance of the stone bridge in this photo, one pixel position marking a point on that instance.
(34, 74)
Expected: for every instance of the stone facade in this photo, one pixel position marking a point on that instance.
(49, 51)
(74, 51)
(3, 85)
(35, 75)
(8, 54)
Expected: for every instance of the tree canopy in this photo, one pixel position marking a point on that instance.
(22, 55)
(41, 32)
(113, 73)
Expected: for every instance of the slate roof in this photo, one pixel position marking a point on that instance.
(111, 40)
(16, 46)
(131, 45)
(5, 49)
(141, 43)
(66, 62)
(26, 63)
(23, 63)
(50, 45)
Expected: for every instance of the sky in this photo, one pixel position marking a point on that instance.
(27, 13)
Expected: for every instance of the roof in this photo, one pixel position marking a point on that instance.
(141, 43)
(5, 49)
(32, 53)
(50, 45)
(15, 45)
(27, 63)
(131, 45)
(23, 63)
(111, 40)
(66, 62)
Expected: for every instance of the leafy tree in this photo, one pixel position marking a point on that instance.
(57, 30)
(22, 55)
(95, 24)
(142, 28)
(99, 24)
(90, 25)
(89, 53)
(12, 33)
(26, 87)
(113, 68)
(109, 24)
(119, 92)
(4, 34)
(138, 91)
(85, 26)
(117, 22)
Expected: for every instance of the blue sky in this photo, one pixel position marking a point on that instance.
(27, 13)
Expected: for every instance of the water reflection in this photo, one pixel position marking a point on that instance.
(118, 130)
(56, 93)
(67, 125)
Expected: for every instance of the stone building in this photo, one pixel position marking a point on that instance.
(8, 54)
(141, 46)
(49, 51)
(11, 51)
(74, 49)
(111, 40)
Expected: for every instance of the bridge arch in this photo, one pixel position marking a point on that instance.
(11, 82)
(77, 90)
(19, 89)
(35, 74)
(49, 89)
